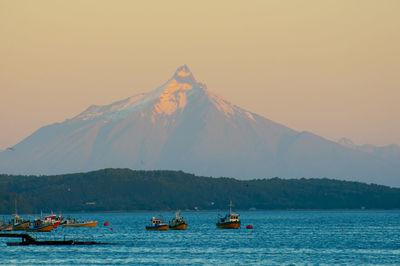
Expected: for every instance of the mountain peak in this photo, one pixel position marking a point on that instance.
(182, 125)
(184, 75)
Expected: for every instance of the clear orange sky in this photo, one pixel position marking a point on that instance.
(329, 67)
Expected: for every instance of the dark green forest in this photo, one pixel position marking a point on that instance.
(128, 190)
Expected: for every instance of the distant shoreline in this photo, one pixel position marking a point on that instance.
(209, 211)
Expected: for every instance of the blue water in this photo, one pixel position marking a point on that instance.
(278, 237)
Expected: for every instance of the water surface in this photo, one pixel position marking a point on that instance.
(278, 237)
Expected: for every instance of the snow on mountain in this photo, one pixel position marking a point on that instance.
(183, 126)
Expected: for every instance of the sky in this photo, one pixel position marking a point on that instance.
(328, 67)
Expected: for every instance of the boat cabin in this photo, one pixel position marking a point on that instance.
(17, 219)
(234, 217)
(155, 221)
(38, 223)
(229, 218)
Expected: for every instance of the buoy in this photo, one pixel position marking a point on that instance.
(342, 228)
(106, 224)
(249, 226)
(111, 228)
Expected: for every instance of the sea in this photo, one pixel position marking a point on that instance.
(277, 238)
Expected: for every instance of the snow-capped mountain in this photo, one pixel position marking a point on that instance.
(184, 126)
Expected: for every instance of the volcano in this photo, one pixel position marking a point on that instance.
(184, 126)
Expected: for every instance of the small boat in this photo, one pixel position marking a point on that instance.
(177, 223)
(71, 222)
(6, 227)
(53, 219)
(40, 226)
(19, 224)
(44, 228)
(230, 221)
(156, 224)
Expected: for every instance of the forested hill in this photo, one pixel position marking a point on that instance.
(128, 190)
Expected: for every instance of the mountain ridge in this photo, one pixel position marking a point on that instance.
(389, 152)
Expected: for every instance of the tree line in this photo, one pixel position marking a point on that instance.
(129, 190)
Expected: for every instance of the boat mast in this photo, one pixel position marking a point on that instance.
(15, 203)
(230, 207)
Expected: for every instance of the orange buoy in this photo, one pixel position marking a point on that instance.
(111, 228)
(249, 226)
(106, 224)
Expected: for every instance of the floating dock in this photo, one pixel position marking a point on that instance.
(27, 240)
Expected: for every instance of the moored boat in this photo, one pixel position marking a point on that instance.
(19, 224)
(177, 223)
(229, 221)
(40, 226)
(156, 224)
(71, 222)
(6, 227)
(53, 219)
(44, 228)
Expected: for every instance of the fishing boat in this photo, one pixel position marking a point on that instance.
(53, 219)
(177, 223)
(40, 226)
(19, 224)
(156, 224)
(6, 227)
(71, 222)
(229, 221)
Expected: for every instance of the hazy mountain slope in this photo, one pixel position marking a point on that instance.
(184, 126)
(390, 153)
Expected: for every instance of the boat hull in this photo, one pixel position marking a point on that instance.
(157, 228)
(21, 226)
(6, 228)
(88, 224)
(178, 227)
(228, 225)
(56, 224)
(46, 228)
